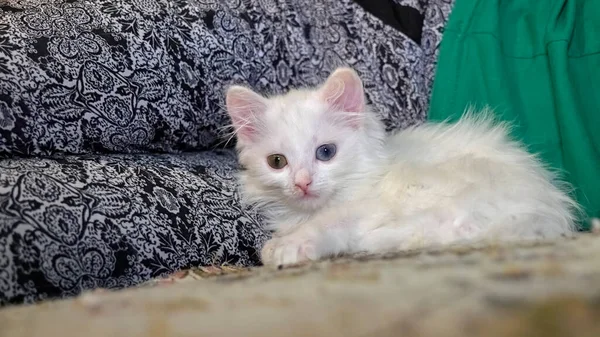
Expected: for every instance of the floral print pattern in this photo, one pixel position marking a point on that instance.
(92, 76)
(122, 221)
(110, 113)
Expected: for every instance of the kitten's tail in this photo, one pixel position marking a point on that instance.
(553, 210)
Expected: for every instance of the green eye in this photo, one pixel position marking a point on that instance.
(277, 161)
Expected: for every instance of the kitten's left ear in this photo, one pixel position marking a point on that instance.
(245, 107)
(344, 91)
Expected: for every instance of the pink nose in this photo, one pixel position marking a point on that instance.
(302, 180)
(303, 185)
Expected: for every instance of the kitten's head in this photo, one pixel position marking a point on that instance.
(305, 148)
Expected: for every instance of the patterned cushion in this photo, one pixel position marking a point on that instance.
(81, 222)
(149, 75)
(137, 76)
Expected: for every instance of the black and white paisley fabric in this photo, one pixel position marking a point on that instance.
(436, 14)
(145, 78)
(149, 75)
(111, 221)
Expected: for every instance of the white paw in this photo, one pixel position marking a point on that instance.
(288, 250)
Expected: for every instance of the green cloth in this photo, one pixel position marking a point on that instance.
(537, 63)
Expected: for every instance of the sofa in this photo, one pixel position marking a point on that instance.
(114, 168)
(529, 289)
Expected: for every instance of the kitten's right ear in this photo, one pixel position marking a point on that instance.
(343, 91)
(245, 107)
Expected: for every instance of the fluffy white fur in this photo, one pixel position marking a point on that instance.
(428, 185)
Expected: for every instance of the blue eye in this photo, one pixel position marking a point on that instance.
(325, 152)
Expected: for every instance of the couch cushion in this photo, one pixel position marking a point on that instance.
(93, 76)
(80, 222)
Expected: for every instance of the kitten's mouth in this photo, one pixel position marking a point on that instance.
(308, 196)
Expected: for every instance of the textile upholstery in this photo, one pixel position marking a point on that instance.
(113, 169)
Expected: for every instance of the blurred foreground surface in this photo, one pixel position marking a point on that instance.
(545, 289)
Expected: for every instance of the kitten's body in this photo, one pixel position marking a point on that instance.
(427, 185)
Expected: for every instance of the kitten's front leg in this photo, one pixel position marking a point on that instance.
(296, 247)
(329, 233)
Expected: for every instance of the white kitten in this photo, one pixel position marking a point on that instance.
(330, 181)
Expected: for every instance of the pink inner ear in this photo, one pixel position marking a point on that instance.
(343, 90)
(245, 107)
